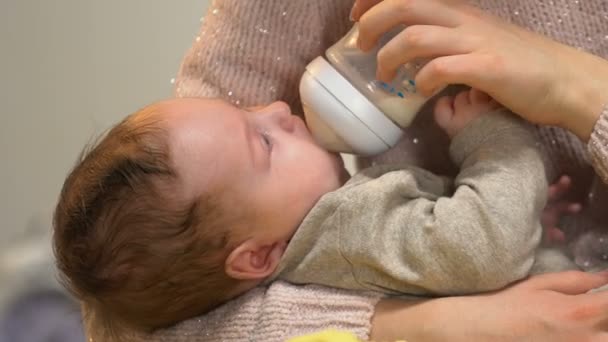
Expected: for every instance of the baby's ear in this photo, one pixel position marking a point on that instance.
(253, 260)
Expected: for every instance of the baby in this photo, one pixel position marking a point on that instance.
(191, 202)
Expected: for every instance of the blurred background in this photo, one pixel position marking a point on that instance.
(69, 70)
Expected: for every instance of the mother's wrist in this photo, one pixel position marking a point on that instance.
(582, 117)
(586, 95)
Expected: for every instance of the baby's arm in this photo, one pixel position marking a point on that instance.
(478, 236)
(499, 193)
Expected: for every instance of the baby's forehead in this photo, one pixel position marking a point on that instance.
(197, 112)
(203, 140)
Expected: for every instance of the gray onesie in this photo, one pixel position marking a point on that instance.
(399, 229)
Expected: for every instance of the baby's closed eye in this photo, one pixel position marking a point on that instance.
(266, 140)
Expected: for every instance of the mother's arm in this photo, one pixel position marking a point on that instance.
(278, 312)
(551, 307)
(547, 308)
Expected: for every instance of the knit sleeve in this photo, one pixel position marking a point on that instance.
(254, 52)
(598, 146)
(277, 313)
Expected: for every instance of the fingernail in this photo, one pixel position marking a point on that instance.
(354, 13)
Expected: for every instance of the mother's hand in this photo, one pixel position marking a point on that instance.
(552, 307)
(543, 81)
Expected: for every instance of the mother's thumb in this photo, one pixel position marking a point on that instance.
(570, 282)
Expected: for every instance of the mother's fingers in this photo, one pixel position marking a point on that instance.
(571, 282)
(601, 298)
(391, 13)
(475, 70)
(420, 41)
(360, 7)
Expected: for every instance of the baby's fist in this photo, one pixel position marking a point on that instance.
(453, 113)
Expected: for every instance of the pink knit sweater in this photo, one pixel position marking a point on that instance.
(253, 52)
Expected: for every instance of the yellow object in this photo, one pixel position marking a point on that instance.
(327, 336)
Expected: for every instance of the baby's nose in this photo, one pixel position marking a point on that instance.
(279, 107)
(285, 121)
(281, 115)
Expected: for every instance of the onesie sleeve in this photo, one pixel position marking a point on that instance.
(409, 231)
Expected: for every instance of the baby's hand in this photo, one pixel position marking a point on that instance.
(558, 205)
(453, 113)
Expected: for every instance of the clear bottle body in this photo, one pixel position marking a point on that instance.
(398, 99)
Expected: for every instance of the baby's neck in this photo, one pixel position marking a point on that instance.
(344, 177)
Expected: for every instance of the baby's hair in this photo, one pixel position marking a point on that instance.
(126, 246)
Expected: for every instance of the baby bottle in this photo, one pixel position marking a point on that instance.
(347, 109)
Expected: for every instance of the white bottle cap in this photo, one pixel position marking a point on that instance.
(340, 117)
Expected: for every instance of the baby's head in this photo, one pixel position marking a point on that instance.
(184, 205)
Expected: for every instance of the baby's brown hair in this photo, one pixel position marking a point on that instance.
(126, 246)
